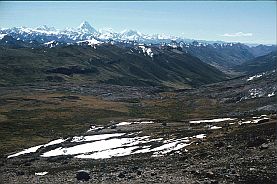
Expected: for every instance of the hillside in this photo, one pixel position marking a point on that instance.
(219, 54)
(260, 64)
(222, 56)
(105, 63)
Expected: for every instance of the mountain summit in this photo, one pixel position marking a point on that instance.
(46, 28)
(85, 27)
(130, 35)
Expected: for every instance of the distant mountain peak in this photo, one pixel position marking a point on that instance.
(130, 32)
(84, 24)
(46, 28)
(86, 27)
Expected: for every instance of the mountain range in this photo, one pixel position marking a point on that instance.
(22, 63)
(85, 32)
(125, 58)
(218, 54)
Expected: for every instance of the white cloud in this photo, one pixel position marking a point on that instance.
(238, 34)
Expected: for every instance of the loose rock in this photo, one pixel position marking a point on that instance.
(83, 175)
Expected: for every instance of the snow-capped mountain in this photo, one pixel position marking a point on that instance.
(85, 31)
(86, 28)
(209, 52)
(46, 29)
(130, 35)
(107, 34)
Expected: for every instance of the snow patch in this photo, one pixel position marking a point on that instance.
(92, 42)
(254, 121)
(200, 136)
(215, 127)
(109, 153)
(29, 150)
(41, 173)
(255, 77)
(121, 146)
(35, 148)
(95, 137)
(211, 120)
(58, 141)
(271, 94)
(94, 128)
(147, 51)
(2, 36)
(134, 122)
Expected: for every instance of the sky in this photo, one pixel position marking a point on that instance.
(231, 21)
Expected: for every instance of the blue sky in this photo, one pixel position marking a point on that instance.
(251, 22)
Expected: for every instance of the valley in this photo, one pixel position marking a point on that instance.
(199, 146)
(87, 106)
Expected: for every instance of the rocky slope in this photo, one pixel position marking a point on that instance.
(167, 136)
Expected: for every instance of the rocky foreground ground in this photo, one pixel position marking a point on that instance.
(219, 133)
(235, 153)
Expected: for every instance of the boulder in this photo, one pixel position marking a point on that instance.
(264, 146)
(219, 144)
(210, 174)
(257, 141)
(229, 147)
(20, 173)
(121, 175)
(83, 175)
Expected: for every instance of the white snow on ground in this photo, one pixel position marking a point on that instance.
(144, 149)
(261, 116)
(252, 121)
(200, 136)
(254, 93)
(58, 141)
(271, 94)
(212, 120)
(109, 153)
(121, 146)
(97, 146)
(95, 137)
(215, 127)
(41, 173)
(255, 76)
(113, 145)
(145, 122)
(29, 150)
(257, 93)
(170, 146)
(35, 148)
(48, 43)
(134, 122)
(93, 128)
(123, 123)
